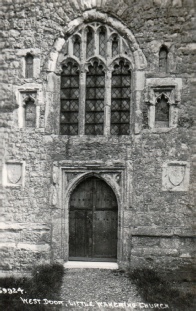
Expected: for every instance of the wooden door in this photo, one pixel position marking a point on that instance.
(93, 222)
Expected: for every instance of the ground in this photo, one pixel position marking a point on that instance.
(97, 285)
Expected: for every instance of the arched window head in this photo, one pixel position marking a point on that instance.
(90, 42)
(95, 96)
(120, 103)
(95, 89)
(162, 112)
(69, 99)
(102, 41)
(163, 53)
(30, 113)
(29, 66)
(115, 46)
(76, 46)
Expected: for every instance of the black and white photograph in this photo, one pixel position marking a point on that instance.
(97, 155)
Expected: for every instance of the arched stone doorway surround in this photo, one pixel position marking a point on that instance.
(111, 180)
(66, 176)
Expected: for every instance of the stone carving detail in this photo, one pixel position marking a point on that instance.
(71, 175)
(175, 176)
(168, 89)
(113, 177)
(13, 174)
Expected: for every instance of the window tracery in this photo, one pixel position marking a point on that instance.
(103, 56)
(115, 46)
(102, 42)
(90, 43)
(77, 46)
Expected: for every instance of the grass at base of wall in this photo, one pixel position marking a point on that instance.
(45, 283)
(156, 289)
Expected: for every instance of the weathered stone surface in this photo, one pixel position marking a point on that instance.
(155, 225)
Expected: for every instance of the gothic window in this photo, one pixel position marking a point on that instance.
(120, 103)
(162, 112)
(95, 88)
(29, 66)
(30, 113)
(115, 46)
(90, 43)
(102, 42)
(69, 99)
(76, 46)
(163, 59)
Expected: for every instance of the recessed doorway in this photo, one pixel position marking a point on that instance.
(93, 222)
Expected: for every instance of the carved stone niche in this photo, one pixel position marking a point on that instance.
(13, 174)
(29, 98)
(163, 98)
(175, 176)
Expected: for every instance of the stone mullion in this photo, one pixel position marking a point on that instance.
(82, 100)
(107, 104)
(96, 43)
(82, 83)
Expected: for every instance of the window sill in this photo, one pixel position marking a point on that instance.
(158, 130)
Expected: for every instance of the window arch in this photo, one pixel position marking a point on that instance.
(30, 112)
(103, 57)
(163, 59)
(102, 41)
(115, 46)
(77, 46)
(89, 42)
(29, 66)
(162, 111)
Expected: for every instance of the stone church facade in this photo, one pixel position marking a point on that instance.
(97, 110)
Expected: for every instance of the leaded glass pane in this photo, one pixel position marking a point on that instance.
(102, 42)
(29, 66)
(115, 46)
(114, 129)
(99, 105)
(95, 91)
(162, 112)
(120, 104)
(90, 43)
(65, 82)
(30, 113)
(69, 99)
(125, 129)
(76, 46)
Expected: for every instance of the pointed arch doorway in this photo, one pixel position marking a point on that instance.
(93, 221)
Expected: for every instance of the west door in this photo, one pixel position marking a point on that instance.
(93, 215)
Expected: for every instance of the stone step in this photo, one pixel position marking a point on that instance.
(90, 265)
